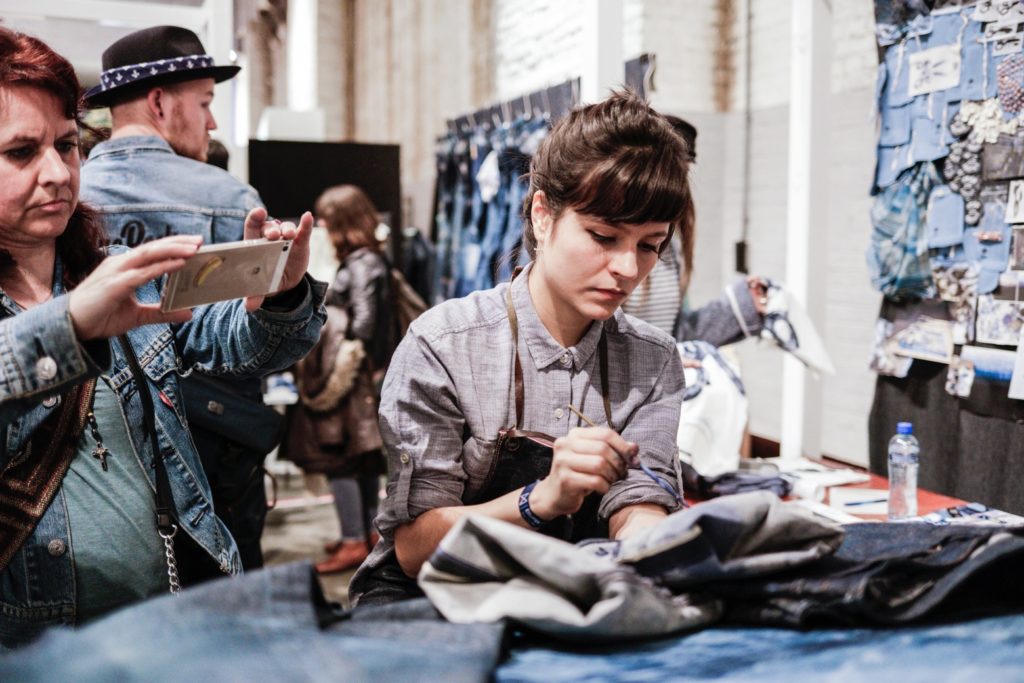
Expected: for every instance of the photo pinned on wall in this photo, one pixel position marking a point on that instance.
(960, 377)
(999, 321)
(883, 361)
(1008, 10)
(1000, 30)
(935, 69)
(1008, 46)
(1017, 382)
(1004, 158)
(985, 10)
(925, 338)
(1017, 248)
(991, 364)
(1015, 203)
(963, 321)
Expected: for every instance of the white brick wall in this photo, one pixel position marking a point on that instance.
(683, 37)
(537, 43)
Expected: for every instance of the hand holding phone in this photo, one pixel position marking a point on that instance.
(230, 270)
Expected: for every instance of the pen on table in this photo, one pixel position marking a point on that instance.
(855, 503)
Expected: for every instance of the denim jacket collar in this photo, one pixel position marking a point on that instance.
(151, 143)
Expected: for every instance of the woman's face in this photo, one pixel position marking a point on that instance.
(39, 167)
(589, 266)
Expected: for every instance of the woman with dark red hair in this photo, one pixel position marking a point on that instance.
(90, 411)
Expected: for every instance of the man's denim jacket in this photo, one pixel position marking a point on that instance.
(37, 588)
(143, 190)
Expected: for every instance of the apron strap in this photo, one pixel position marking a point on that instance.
(513, 322)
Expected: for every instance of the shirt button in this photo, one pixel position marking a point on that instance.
(566, 359)
(559, 413)
(51, 401)
(46, 368)
(56, 547)
(404, 457)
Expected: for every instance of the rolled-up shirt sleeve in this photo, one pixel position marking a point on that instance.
(652, 426)
(422, 427)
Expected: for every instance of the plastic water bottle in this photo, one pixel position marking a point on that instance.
(904, 459)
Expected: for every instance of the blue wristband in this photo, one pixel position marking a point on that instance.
(524, 506)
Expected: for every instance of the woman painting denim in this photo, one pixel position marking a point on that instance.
(485, 403)
(89, 359)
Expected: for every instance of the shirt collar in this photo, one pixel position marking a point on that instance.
(131, 143)
(543, 348)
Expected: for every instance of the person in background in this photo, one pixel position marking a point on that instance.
(160, 140)
(479, 406)
(90, 406)
(362, 287)
(217, 154)
(661, 298)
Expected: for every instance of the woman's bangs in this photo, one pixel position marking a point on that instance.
(638, 187)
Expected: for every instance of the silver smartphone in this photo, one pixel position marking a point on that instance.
(229, 270)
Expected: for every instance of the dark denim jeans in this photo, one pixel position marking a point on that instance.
(886, 573)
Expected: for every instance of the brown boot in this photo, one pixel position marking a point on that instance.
(332, 547)
(350, 555)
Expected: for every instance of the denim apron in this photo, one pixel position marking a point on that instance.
(520, 457)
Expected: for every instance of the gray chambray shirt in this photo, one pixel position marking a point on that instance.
(449, 390)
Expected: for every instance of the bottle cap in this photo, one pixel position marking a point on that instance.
(905, 428)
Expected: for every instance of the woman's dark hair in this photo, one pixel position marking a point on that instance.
(27, 61)
(351, 218)
(618, 161)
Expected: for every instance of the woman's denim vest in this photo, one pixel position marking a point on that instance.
(37, 589)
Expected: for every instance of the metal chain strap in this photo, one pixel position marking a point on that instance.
(172, 562)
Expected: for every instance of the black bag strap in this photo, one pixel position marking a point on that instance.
(165, 514)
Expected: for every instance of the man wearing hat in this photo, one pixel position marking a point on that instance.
(149, 180)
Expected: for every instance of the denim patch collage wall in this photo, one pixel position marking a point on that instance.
(948, 215)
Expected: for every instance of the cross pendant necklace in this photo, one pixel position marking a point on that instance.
(100, 451)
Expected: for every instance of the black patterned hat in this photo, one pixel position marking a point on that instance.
(146, 58)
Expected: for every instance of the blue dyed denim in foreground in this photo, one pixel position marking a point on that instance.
(987, 650)
(269, 625)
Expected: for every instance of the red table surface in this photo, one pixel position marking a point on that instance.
(927, 501)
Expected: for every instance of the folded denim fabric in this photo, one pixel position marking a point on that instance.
(733, 537)
(486, 570)
(731, 483)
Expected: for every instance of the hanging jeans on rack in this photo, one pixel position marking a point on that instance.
(497, 221)
(468, 260)
(512, 239)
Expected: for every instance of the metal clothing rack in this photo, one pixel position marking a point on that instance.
(552, 102)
